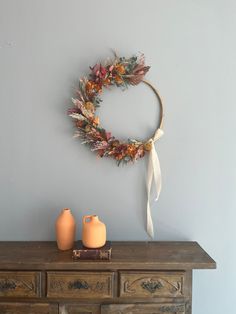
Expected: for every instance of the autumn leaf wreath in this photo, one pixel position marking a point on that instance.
(121, 72)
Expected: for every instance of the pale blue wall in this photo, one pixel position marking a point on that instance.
(45, 46)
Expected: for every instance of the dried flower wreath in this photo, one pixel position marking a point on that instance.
(121, 72)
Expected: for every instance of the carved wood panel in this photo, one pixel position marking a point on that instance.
(143, 309)
(79, 309)
(80, 284)
(20, 284)
(28, 308)
(151, 284)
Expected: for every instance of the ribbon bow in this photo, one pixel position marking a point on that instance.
(153, 178)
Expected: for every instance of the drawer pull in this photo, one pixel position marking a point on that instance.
(151, 286)
(78, 284)
(7, 285)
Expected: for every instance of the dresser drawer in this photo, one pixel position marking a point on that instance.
(151, 284)
(143, 308)
(79, 309)
(30, 308)
(20, 284)
(80, 284)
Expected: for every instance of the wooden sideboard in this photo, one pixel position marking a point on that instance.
(141, 277)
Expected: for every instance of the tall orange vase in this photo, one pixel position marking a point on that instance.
(93, 232)
(65, 230)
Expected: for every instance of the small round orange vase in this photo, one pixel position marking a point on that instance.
(93, 232)
(65, 230)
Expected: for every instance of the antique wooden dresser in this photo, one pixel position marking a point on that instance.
(142, 277)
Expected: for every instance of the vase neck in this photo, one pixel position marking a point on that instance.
(66, 211)
(94, 218)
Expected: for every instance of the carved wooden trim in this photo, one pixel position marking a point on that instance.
(13, 284)
(6, 284)
(78, 284)
(153, 284)
(20, 284)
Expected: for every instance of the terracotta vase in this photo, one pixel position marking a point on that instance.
(65, 230)
(93, 232)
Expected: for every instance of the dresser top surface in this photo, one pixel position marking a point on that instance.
(125, 255)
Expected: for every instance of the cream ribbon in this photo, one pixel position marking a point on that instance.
(153, 179)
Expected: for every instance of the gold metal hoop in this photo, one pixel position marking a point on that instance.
(160, 125)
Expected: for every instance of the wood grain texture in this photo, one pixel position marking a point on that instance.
(20, 284)
(79, 309)
(151, 284)
(125, 255)
(80, 284)
(143, 309)
(28, 308)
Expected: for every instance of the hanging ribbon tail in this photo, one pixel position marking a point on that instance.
(153, 180)
(150, 230)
